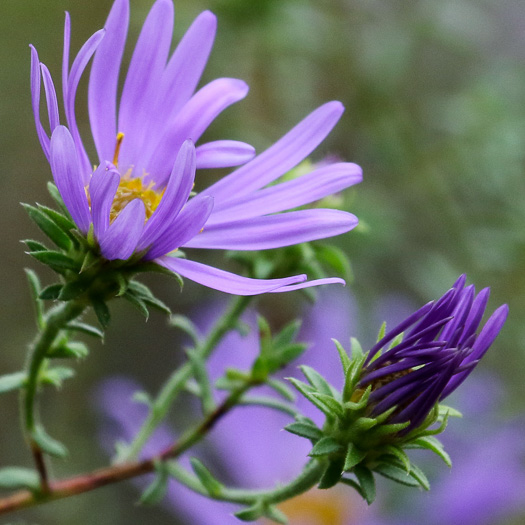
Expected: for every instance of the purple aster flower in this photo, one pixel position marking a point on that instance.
(439, 350)
(138, 201)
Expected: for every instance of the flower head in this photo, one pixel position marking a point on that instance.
(440, 348)
(138, 201)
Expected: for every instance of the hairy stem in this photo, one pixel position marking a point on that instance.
(178, 379)
(99, 478)
(54, 323)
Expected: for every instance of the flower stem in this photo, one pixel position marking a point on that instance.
(176, 382)
(56, 321)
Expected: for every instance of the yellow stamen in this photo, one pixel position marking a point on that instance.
(120, 138)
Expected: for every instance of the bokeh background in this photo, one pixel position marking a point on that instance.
(435, 114)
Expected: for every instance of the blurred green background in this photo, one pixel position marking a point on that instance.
(435, 114)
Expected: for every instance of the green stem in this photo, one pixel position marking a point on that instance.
(307, 479)
(54, 323)
(178, 379)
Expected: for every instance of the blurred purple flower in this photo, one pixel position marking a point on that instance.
(138, 201)
(434, 357)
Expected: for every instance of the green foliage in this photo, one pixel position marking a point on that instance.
(14, 478)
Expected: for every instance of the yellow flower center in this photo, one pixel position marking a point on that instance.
(322, 507)
(132, 188)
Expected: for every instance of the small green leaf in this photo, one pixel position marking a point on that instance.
(51, 292)
(269, 402)
(156, 490)
(287, 334)
(382, 332)
(325, 446)
(212, 486)
(273, 513)
(332, 474)
(252, 513)
(452, 412)
(56, 376)
(69, 349)
(187, 326)
(366, 482)
(308, 392)
(59, 219)
(201, 376)
(419, 476)
(10, 382)
(281, 388)
(399, 454)
(73, 289)
(56, 260)
(304, 430)
(47, 444)
(143, 292)
(14, 478)
(49, 227)
(88, 329)
(101, 311)
(34, 286)
(354, 456)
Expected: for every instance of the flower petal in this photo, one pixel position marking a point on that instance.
(35, 101)
(291, 194)
(121, 238)
(143, 78)
(51, 98)
(186, 226)
(223, 154)
(102, 92)
(224, 281)
(79, 64)
(183, 72)
(176, 195)
(286, 153)
(65, 54)
(102, 189)
(275, 231)
(68, 178)
(193, 120)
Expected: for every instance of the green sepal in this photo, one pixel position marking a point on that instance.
(363, 424)
(101, 311)
(56, 260)
(399, 454)
(354, 456)
(56, 376)
(307, 391)
(49, 227)
(55, 195)
(15, 478)
(419, 476)
(69, 349)
(35, 246)
(357, 350)
(343, 356)
(315, 379)
(35, 288)
(332, 474)
(443, 410)
(352, 376)
(90, 259)
(273, 513)
(367, 483)
(332, 404)
(88, 329)
(51, 292)
(359, 405)
(73, 289)
(432, 444)
(14, 381)
(305, 430)
(138, 303)
(325, 447)
(381, 333)
(47, 444)
(396, 473)
(61, 220)
(187, 326)
(156, 490)
(144, 293)
(208, 481)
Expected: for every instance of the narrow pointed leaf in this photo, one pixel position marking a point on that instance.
(101, 311)
(35, 288)
(49, 445)
(56, 260)
(11, 382)
(304, 430)
(88, 329)
(51, 292)
(14, 478)
(366, 482)
(156, 490)
(49, 227)
(396, 473)
(332, 474)
(325, 446)
(212, 486)
(316, 380)
(354, 456)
